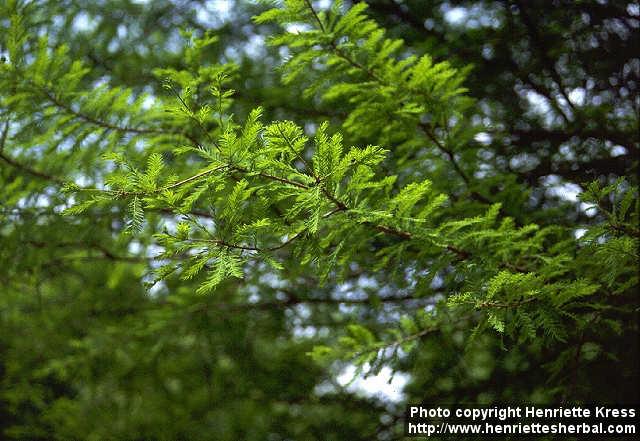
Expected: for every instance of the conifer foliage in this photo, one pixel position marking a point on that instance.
(223, 226)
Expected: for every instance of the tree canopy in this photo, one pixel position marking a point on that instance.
(210, 210)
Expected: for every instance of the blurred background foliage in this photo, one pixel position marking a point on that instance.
(88, 352)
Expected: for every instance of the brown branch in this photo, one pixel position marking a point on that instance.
(428, 130)
(292, 301)
(29, 170)
(12, 162)
(315, 15)
(166, 187)
(277, 178)
(106, 253)
(107, 125)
